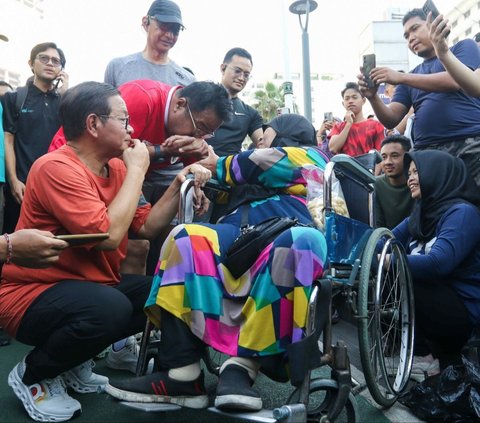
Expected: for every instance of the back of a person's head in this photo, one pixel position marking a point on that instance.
(292, 130)
(40, 48)
(351, 86)
(82, 100)
(237, 51)
(412, 14)
(400, 139)
(204, 95)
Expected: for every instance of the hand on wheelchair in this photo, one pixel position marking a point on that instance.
(201, 176)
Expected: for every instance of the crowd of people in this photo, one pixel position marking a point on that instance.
(109, 157)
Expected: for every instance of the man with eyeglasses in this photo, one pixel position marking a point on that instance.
(72, 310)
(162, 25)
(30, 119)
(236, 71)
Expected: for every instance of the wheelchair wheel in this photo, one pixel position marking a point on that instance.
(321, 397)
(386, 317)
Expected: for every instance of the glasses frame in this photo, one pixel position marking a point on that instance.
(45, 59)
(167, 26)
(237, 71)
(125, 120)
(196, 130)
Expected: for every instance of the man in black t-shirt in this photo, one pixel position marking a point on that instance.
(236, 68)
(30, 119)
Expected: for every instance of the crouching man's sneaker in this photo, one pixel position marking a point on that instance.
(235, 392)
(127, 357)
(45, 401)
(159, 387)
(82, 380)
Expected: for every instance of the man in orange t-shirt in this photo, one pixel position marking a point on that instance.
(74, 309)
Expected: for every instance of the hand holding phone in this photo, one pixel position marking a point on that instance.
(429, 6)
(328, 116)
(369, 63)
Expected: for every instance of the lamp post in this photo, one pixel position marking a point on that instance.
(304, 7)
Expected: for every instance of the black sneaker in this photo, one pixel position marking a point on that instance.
(158, 387)
(235, 392)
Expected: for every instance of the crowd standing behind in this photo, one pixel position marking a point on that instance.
(162, 105)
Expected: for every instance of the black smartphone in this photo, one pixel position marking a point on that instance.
(57, 82)
(368, 65)
(429, 6)
(328, 116)
(80, 239)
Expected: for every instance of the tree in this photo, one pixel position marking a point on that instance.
(268, 101)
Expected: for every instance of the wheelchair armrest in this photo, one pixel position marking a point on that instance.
(350, 166)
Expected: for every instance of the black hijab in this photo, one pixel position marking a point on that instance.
(444, 181)
(292, 131)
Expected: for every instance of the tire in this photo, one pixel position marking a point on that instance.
(322, 395)
(386, 317)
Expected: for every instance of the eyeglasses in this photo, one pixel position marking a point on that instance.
(172, 27)
(125, 120)
(198, 132)
(238, 72)
(45, 59)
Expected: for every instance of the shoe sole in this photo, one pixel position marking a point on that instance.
(198, 401)
(238, 402)
(80, 387)
(15, 382)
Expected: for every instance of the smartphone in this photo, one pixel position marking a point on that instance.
(80, 239)
(368, 65)
(328, 116)
(429, 6)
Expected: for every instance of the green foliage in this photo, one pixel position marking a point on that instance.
(268, 101)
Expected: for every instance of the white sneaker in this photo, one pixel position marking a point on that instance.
(45, 401)
(82, 380)
(127, 357)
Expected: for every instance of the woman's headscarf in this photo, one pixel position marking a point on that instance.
(444, 181)
(292, 131)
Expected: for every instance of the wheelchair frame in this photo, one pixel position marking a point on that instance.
(385, 320)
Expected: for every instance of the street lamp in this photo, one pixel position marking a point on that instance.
(304, 7)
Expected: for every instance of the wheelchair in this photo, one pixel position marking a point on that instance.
(368, 272)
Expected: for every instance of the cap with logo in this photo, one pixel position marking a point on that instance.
(166, 11)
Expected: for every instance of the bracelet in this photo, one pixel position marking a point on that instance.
(158, 155)
(8, 259)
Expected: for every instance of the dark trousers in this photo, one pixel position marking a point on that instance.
(11, 211)
(74, 320)
(442, 322)
(179, 346)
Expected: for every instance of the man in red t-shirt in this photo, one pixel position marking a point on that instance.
(356, 135)
(74, 309)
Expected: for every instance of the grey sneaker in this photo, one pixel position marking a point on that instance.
(82, 380)
(45, 401)
(127, 357)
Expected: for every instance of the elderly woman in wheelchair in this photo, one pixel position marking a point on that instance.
(253, 318)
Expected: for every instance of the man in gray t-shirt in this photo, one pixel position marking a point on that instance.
(162, 24)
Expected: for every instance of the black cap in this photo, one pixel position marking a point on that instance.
(166, 11)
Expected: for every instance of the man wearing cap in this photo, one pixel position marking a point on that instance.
(162, 24)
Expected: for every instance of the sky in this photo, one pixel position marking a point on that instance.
(91, 32)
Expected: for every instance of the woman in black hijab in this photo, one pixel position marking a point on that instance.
(288, 130)
(442, 239)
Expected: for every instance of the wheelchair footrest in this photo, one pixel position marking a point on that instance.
(151, 407)
(265, 416)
